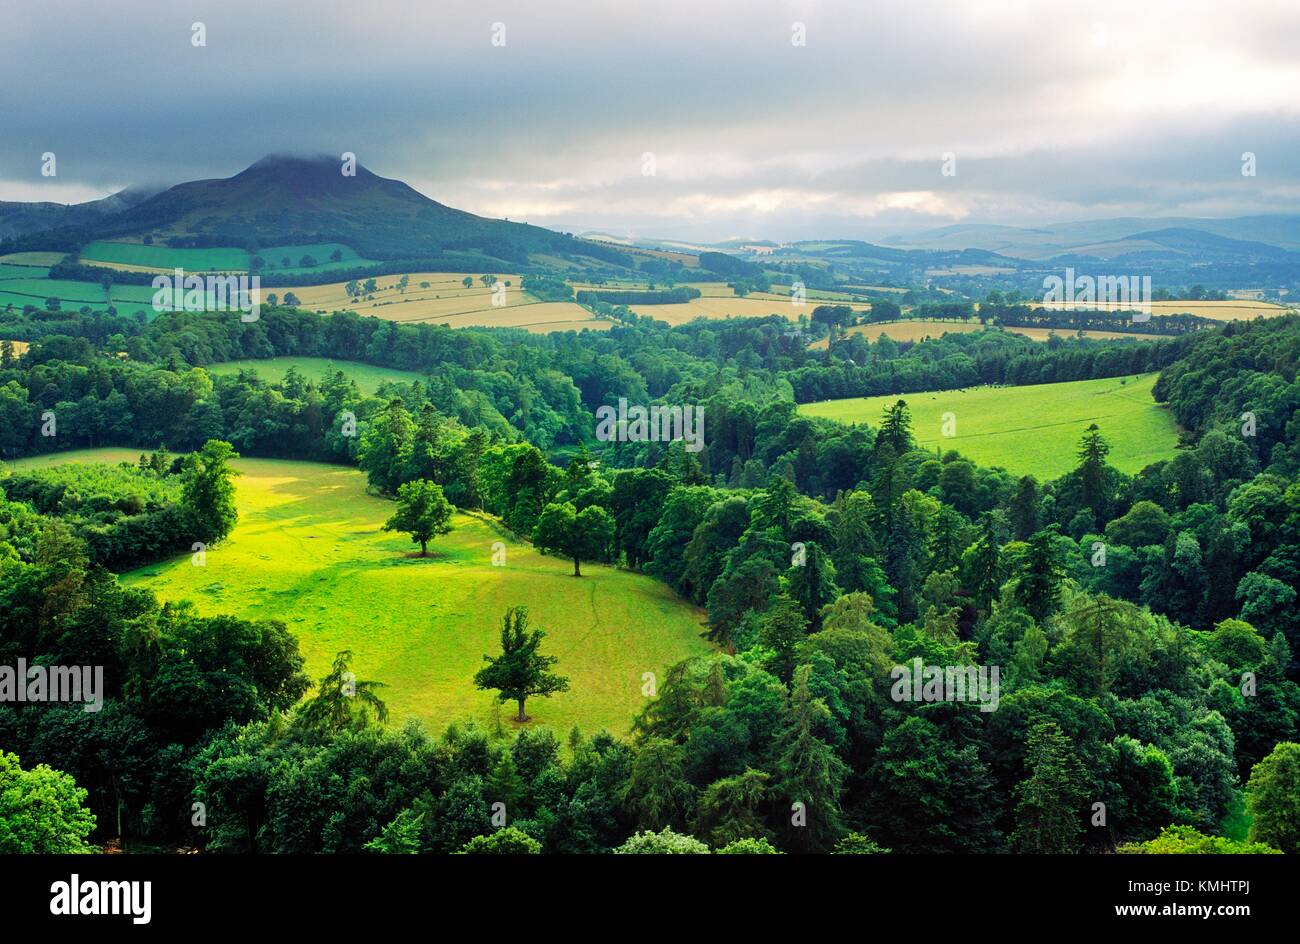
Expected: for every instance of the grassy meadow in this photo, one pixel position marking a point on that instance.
(367, 376)
(308, 550)
(137, 257)
(1031, 430)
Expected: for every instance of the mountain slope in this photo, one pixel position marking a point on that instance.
(19, 219)
(288, 199)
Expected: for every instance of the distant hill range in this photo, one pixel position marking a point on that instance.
(1246, 238)
(288, 200)
(18, 219)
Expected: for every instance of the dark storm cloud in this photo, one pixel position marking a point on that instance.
(1053, 110)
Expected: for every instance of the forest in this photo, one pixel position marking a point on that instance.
(1143, 625)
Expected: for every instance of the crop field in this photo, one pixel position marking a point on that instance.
(1231, 310)
(718, 307)
(308, 550)
(446, 300)
(919, 330)
(315, 369)
(1031, 430)
(447, 287)
(138, 257)
(20, 347)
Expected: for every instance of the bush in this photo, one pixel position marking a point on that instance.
(749, 847)
(508, 841)
(664, 842)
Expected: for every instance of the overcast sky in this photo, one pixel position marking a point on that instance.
(1053, 110)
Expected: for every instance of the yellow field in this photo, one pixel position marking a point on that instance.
(757, 305)
(1042, 334)
(448, 301)
(706, 289)
(1231, 310)
(20, 347)
(920, 330)
(907, 330)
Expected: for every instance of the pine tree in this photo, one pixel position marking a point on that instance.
(1024, 508)
(984, 565)
(809, 772)
(1092, 471)
(1039, 587)
(896, 428)
(812, 584)
(1048, 811)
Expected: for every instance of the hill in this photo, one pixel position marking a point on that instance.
(309, 550)
(283, 199)
(20, 218)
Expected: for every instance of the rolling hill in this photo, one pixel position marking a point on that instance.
(291, 201)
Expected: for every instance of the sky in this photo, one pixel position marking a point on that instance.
(699, 121)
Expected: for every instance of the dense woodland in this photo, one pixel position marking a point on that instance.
(1159, 682)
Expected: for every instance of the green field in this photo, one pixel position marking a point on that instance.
(308, 550)
(368, 377)
(1031, 430)
(165, 258)
(72, 294)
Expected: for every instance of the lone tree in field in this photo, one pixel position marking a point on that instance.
(520, 670)
(422, 512)
(208, 492)
(575, 534)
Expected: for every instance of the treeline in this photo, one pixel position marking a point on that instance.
(858, 367)
(1088, 319)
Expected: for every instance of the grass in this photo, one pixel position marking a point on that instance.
(368, 377)
(141, 258)
(33, 258)
(1031, 430)
(308, 550)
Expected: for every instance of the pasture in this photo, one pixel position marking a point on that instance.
(1030, 430)
(137, 257)
(309, 550)
(316, 369)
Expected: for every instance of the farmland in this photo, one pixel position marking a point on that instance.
(138, 257)
(919, 329)
(367, 377)
(1031, 430)
(1230, 310)
(308, 550)
(443, 298)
